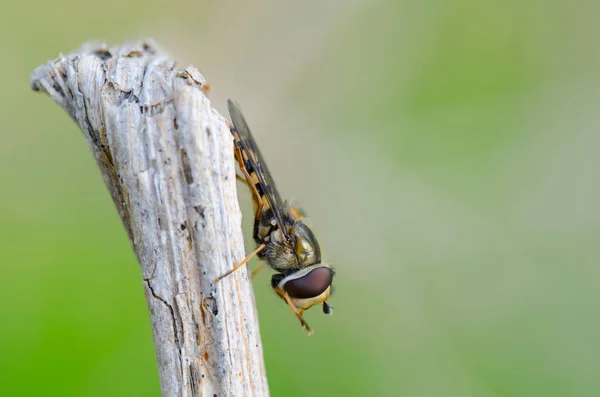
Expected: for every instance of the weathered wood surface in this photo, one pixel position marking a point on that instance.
(166, 157)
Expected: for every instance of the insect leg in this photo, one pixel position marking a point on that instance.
(257, 270)
(242, 263)
(256, 196)
(297, 312)
(249, 180)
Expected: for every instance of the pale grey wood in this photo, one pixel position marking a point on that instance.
(166, 157)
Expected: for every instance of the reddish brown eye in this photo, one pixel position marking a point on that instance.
(310, 285)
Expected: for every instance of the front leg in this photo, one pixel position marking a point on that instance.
(297, 312)
(242, 263)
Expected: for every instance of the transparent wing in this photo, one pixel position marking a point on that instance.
(255, 162)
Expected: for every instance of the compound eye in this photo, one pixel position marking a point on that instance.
(310, 285)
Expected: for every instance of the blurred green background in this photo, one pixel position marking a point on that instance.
(446, 152)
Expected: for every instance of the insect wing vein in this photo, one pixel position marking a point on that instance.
(258, 165)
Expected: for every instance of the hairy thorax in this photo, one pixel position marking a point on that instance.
(279, 253)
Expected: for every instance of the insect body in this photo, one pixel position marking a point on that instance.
(284, 241)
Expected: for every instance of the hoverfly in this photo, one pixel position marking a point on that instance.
(284, 241)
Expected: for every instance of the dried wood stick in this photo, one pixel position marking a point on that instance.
(167, 159)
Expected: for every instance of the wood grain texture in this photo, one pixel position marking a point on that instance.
(166, 157)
